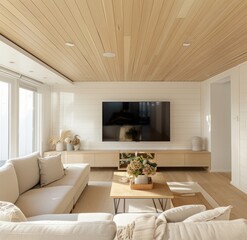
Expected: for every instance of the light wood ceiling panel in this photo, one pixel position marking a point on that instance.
(146, 36)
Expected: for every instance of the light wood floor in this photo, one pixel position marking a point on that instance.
(216, 184)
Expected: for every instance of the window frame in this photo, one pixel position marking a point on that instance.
(9, 115)
(15, 83)
(35, 139)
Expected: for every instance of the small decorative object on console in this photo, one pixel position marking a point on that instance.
(196, 143)
(66, 136)
(76, 142)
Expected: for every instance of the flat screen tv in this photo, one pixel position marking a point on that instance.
(136, 121)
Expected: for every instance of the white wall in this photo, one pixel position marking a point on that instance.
(243, 127)
(45, 117)
(79, 108)
(206, 114)
(221, 126)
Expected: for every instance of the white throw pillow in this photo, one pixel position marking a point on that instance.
(51, 169)
(220, 213)
(9, 212)
(179, 214)
(27, 171)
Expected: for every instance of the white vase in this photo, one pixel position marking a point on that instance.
(196, 143)
(69, 147)
(59, 146)
(141, 179)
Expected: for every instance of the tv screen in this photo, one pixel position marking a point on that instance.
(136, 121)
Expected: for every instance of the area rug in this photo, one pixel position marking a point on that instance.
(96, 198)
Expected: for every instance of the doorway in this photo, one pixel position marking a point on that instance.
(221, 126)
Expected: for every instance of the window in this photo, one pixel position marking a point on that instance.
(4, 120)
(20, 116)
(27, 121)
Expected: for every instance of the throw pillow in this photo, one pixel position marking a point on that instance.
(27, 171)
(179, 214)
(9, 188)
(220, 213)
(51, 169)
(9, 212)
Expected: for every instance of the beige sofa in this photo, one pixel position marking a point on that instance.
(104, 226)
(20, 180)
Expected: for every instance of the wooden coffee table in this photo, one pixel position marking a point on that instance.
(122, 191)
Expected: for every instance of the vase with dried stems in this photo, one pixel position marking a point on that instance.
(57, 143)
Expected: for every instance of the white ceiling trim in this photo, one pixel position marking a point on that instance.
(15, 75)
(17, 62)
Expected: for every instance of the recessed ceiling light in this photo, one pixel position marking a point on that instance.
(186, 44)
(70, 44)
(109, 54)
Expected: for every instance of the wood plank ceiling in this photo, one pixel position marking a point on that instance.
(146, 36)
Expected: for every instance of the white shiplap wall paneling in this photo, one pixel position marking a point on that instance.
(79, 108)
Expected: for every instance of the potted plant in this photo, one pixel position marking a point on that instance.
(141, 168)
(58, 142)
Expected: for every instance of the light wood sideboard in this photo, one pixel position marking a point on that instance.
(112, 158)
(183, 158)
(96, 158)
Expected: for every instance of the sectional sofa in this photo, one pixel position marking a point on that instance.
(42, 185)
(36, 193)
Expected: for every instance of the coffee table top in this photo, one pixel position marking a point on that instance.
(123, 190)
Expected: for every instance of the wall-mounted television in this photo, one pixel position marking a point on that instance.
(136, 121)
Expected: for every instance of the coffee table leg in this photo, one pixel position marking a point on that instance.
(124, 205)
(162, 204)
(116, 202)
(155, 206)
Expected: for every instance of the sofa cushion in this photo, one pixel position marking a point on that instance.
(57, 230)
(51, 169)
(46, 200)
(27, 171)
(83, 217)
(179, 214)
(220, 213)
(76, 175)
(9, 189)
(11, 213)
(217, 230)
